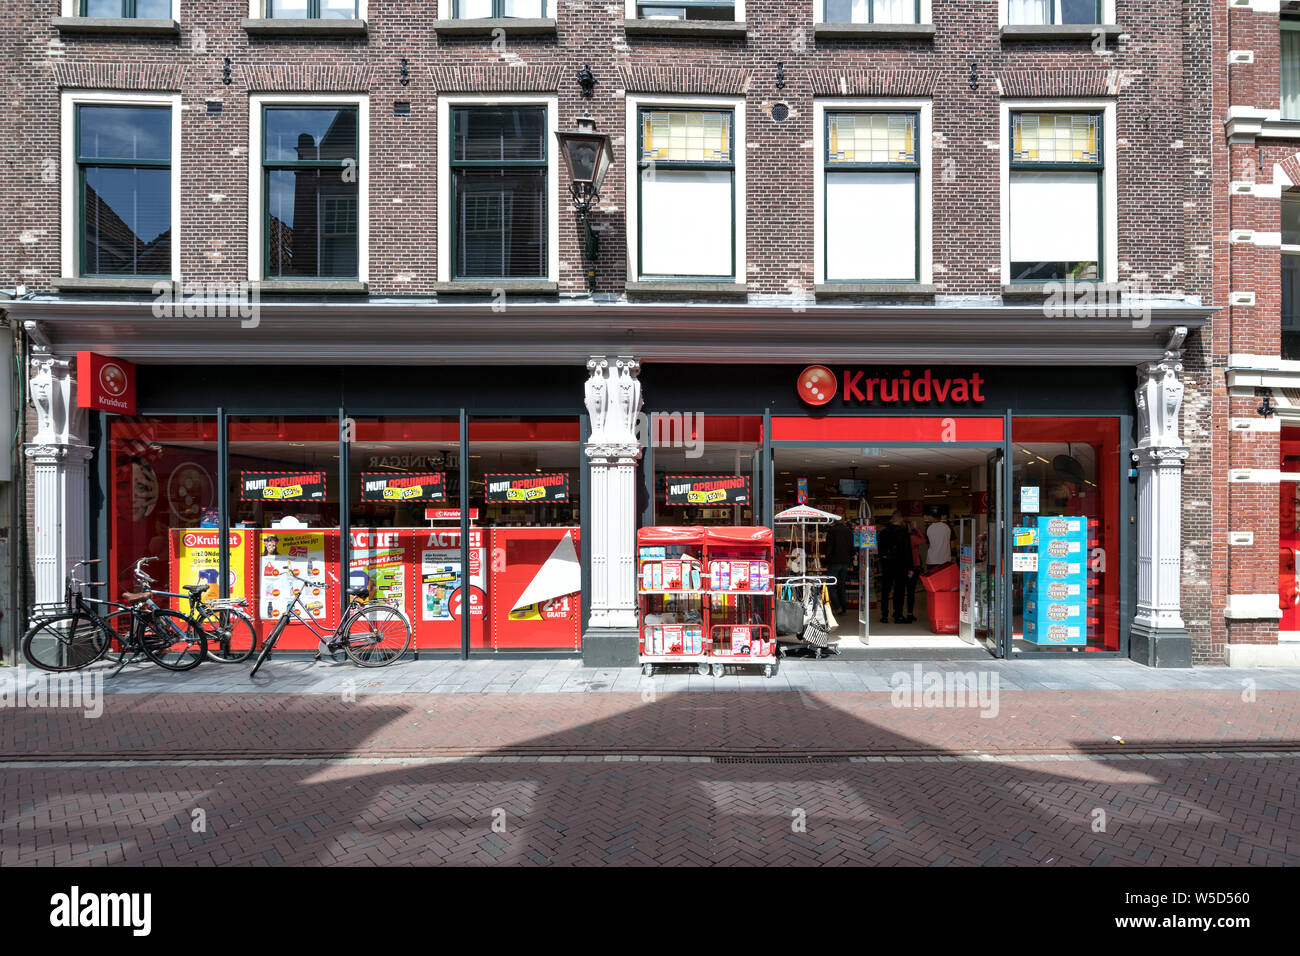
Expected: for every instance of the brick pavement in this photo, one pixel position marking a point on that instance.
(1170, 811)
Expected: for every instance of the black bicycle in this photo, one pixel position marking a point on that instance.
(76, 634)
(370, 634)
(230, 631)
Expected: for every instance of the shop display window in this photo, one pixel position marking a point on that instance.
(1065, 533)
(703, 467)
(162, 493)
(525, 482)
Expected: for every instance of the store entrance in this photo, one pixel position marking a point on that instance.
(916, 557)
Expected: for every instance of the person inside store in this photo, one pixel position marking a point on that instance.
(919, 545)
(939, 535)
(839, 558)
(894, 548)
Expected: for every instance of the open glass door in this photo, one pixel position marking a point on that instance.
(988, 558)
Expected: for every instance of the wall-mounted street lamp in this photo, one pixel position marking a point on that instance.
(587, 156)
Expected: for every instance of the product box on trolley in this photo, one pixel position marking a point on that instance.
(1056, 596)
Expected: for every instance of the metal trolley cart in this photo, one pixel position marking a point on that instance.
(705, 597)
(805, 585)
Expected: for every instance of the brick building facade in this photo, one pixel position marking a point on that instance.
(1151, 78)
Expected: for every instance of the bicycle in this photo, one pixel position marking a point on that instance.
(230, 631)
(74, 635)
(372, 635)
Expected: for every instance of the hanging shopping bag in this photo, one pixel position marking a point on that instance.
(789, 617)
(831, 623)
(816, 632)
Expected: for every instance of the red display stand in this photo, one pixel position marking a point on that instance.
(706, 597)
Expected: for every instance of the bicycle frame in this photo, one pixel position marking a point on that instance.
(328, 638)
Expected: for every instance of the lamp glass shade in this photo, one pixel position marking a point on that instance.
(588, 156)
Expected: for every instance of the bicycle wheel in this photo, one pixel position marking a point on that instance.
(266, 650)
(377, 636)
(174, 641)
(65, 642)
(230, 633)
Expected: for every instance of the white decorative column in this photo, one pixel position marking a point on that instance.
(613, 400)
(1158, 637)
(59, 453)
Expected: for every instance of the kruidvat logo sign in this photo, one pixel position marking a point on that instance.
(105, 384)
(818, 386)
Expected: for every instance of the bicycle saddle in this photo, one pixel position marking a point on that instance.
(131, 597)
(359, 592)
(195, 589)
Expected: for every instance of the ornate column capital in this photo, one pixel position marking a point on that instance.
(1159, 398)
(613, 399)
(53, 391)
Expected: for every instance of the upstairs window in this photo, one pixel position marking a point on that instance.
(872, 202)
(128, 9)
(871, 11)
(311, 9)
(123, 156)
(498, 9)
(498, 181)
(311, 177)
(687, 196)
(687, 10)
(1048, 12)
(1291, 276)
(1290, 69)
(1055, 202)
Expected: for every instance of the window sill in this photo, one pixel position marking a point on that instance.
(128, 25)
(1060, 31)
(670, 289)
(111, 284)
(1041, 290)
(516, 286)
(316, 27)
(486, 26)
(685, 28)
(873, 31)
(874, 290)
(310, 287)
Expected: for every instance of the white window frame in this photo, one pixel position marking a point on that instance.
(446, 11)
(925, 18)
(553, 206)
(1109, 177)
(257, 200)
(69, 8)
(69, 213)
(924, 138)
(1107, 13)
(630, 9)
(257, 9)
(633, 172)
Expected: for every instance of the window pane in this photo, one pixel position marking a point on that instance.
(289, 9)
(686, 137)
(848, 11)
(894, 11)
(161, 9)
(1079, 11)
(500, 217)
(125, 132)
(310, 133)
(1030, 12)
(473, 9)
(871, 226)
(104, 8)
(1291, 74)
(500, 133)
(1291, 307)
(1054, 225)
(536, 9)
(1054, 138)
(686, 223)
(872, 138)
(312, 227)
(338, 9)
(669, 11)
(128, 218)
(1291, 219)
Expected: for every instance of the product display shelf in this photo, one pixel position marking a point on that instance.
(705, 624)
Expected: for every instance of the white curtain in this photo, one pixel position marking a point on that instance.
(895, 11)
(474, 9)
(847, 11)
(1291, 74)
(871, 227)
(686, 223)
(524, 8)
(1030, 12)
(1054, 217)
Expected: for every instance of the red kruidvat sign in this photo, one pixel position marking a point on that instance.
(817, 385)
(105, 384)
